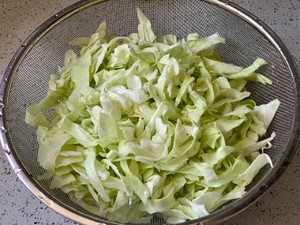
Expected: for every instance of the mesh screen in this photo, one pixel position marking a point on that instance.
(244, 44)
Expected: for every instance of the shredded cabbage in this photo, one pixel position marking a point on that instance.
(144, 124)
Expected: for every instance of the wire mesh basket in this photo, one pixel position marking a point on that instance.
(26, 79)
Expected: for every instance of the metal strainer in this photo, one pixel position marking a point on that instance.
(26, 79)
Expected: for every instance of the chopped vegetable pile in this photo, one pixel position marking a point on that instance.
(141, 124)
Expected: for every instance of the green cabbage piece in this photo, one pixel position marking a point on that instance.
(145, 124)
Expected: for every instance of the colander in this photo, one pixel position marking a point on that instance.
(26, 79)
